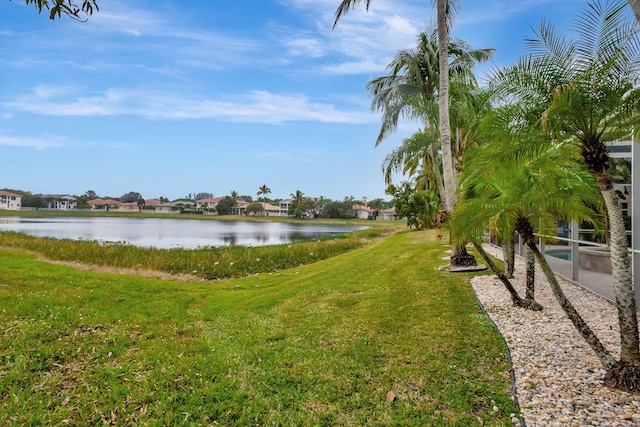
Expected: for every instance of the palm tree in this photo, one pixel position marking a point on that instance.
(263, 190)
(411, 89)
(510, 194)
(141, 203)
(445, 10)
(297, 196)
(414, 156)
(67, 7)
(586, 92)
(295, 205)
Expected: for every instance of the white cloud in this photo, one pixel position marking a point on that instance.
(252, 107)
(363, 42)
(305, 46)
(361, 67)
(39, 144)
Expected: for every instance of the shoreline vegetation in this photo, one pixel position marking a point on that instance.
(377, 334)
(207, 263)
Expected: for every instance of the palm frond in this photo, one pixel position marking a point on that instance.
(345, 6)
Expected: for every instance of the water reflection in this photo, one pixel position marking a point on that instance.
(171, 233)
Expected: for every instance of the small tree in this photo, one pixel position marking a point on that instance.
(420, 208)
(302, 207)
(339, 209)
(254, 208)
(32, 200)
(91, 195)
(130, 197)
(203, 195)
(223, 207)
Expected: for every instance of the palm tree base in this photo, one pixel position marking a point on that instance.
(463, 260)
(624, 376)
(530, 304)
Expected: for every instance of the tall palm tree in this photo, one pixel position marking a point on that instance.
(263, 190)
(411, 88)
(294, 208)
(415, 154)
(445, 11)
(586, 92)
(141, 203)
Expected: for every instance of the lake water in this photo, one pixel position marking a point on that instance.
(171, 233)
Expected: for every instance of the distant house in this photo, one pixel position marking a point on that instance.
(104, 204)
(61, 202)
(151, 203)
(271, 210)
(363, 211)
(284, 207)
(208, 204)
(129, 207)
(387, 214)
(239, 208)
(168, 207)
(10, 201)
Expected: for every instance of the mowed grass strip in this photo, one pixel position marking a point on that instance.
(320, 345)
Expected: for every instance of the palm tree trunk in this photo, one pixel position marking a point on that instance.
(509, 254)
(443, 106)
(436, 168)
(517, 301)
(460, 257)
(622, 277)
(635, 6)
(607, 360)
(530, 274)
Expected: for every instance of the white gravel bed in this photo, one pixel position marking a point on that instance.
(558, 377)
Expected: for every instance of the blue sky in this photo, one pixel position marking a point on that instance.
(168, 97)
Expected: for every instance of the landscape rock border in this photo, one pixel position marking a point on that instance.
(559, 380)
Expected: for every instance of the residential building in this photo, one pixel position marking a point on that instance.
(387, 214)
(284, 207)
(271, 210)
(130, 207)
(239, 208)
(104, 204)
(364, 212)
(208, 204)
(151, 203)
(10, 201)
(169, 207)
(61, 202)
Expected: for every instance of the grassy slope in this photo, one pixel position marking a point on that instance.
(315, 345)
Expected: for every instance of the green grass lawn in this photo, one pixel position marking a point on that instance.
(319, 345)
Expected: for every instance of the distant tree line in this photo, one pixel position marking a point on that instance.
(300, 207)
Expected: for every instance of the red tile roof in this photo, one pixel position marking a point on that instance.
(362, 208)
(211, 199)
(9, 194)
(104, 202)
